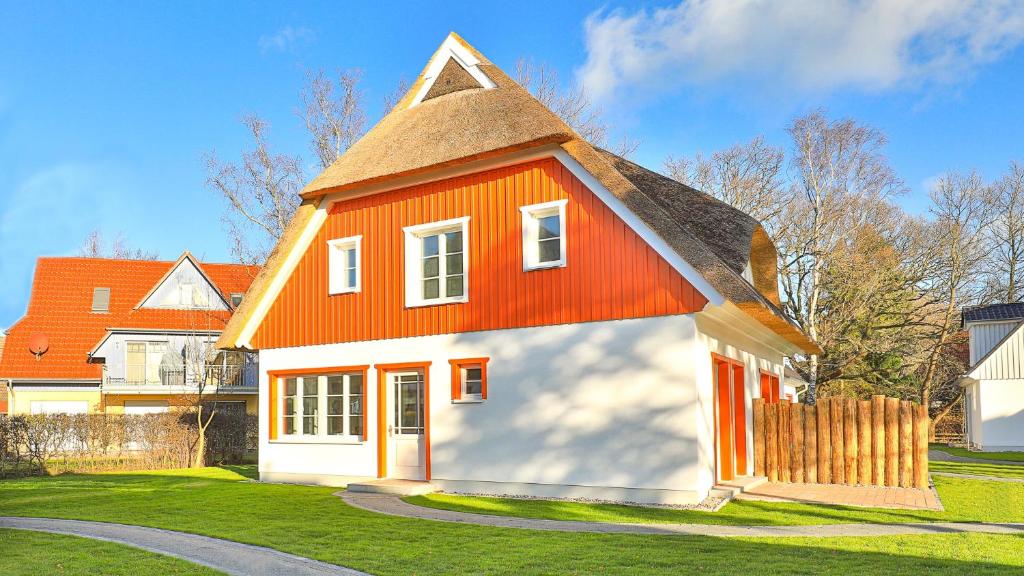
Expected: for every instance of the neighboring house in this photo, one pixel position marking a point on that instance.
(475, 296)
(994, 384)
(793, 385)
(131, 336)
(3, 388)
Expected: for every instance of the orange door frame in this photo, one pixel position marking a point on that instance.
(730, 416)
(382, 437)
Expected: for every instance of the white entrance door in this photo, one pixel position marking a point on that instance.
(406, 441)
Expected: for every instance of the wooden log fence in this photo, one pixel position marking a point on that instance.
(882, 441)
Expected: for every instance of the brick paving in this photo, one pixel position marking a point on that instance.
(843, 495)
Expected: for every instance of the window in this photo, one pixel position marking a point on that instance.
(101, 299)
(236, 299)
(324, 405)
(769, 387)
(436, 257)
(343, 257)
(544, 235)
(152, 363)
(469, 379)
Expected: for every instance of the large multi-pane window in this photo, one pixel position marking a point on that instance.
(436, 262)
(150, 363)
(323, 405)
(544, 235)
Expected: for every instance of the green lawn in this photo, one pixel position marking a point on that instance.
(964, 500)
(310, 521)
(979, 469)
(1006, 456)
(27, 553)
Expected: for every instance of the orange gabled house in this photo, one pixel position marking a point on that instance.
(474, 296)
(127, 336)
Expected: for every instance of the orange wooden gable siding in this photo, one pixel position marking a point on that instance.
(611, 273)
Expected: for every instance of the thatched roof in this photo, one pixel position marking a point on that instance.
(456, 113)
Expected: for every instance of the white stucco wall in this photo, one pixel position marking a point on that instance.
(622, 406)
(1001, 413)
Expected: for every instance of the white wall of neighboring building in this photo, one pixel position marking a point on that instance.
(618, 410)
(984, 336)
(995, 401)
(1001, 414)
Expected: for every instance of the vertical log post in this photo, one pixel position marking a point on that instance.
(785, 448)
(759, 455)
(906, 444)
(921, 446)
(838, 446)
(824, 441)
(864, 464)
(892, 442)
(771, 443)
(850, 439)
(878, 440)
(796, 434)
(810, 444)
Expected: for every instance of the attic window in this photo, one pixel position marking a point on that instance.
(236, 299)
(101, 300)
(544, 235)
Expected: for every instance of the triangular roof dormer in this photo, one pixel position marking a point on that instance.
(452, 69)
(185, 286)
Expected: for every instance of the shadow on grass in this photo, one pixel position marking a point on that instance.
(309, 521)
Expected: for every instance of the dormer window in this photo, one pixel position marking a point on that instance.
(236, 299)
(544, 235)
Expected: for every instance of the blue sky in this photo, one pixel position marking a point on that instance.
(106, 109)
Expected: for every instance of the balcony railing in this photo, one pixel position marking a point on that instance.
(210, 377)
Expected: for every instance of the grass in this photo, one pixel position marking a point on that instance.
(28, 553)
(964, 500)
(979, 469)
(311, 522)
(1005, 456)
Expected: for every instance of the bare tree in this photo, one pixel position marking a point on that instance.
(571, 104)
(391, 99)
(261, 191)
(748, 176)
(1006, 266)
(839, 173)
(95, 247)
(334, 121)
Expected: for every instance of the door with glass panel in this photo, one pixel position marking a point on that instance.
(406, 443)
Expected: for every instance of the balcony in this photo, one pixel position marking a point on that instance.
(219, 378)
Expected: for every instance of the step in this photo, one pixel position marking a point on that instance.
(737, 486)
(393, 487)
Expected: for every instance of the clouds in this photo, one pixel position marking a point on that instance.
(286, 39)
(803, 45)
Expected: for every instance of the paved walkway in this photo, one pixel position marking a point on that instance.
(940, 456)
(229, 557)
(843, 495)
(977, 477)
(393, 505)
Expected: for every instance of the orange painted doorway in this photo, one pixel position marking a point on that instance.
(731, 421)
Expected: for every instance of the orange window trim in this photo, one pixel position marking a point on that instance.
(382, 447)
(769, 387)
(275, 375)
(458, 365)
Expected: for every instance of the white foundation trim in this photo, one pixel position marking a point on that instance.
(568, 491)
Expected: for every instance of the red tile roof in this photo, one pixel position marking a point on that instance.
(61, 308)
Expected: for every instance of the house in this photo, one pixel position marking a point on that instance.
(994, 383)
(475, 296)
(131, 336)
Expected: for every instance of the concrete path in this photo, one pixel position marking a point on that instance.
(940, 456)
(229, 557)
(393, 505)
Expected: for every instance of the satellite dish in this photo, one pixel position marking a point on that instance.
(38, 344)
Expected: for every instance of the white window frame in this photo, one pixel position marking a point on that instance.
(321, 436)
(337, 267)
(414, 268)
(464, 381)
(531, 236)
